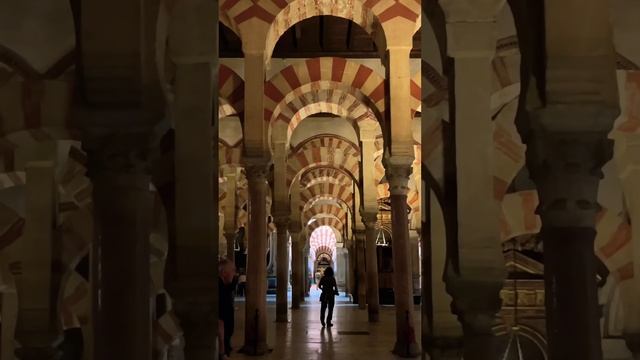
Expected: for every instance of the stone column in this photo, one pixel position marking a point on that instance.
(36, 327)
(351, 277)
(296, 267)
(361, 272)
(373, 301)
(255, 335)
(282, 267)
(476, 281)
(566, 150)
(230, 226)
(398, 171)
(120, 278)
(193, 285)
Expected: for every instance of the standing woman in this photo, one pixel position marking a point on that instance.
(327, 298)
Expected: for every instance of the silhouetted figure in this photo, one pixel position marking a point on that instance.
(242, 283)
(328, 297)
(226, 287)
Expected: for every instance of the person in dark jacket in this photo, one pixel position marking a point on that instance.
(226, 287)
(328, 297)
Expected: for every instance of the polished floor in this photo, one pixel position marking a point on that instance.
(351, 338)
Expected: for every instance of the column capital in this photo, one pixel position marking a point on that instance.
(256, 170)
(282, 221)
(118, 152)
(567, 148)
(369, 218)
(359, 235)
(471, 27)
(397, 171)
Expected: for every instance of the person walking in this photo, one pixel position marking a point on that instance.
(226, 286)
(328, 297)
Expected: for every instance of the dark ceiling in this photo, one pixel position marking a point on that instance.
(317, 36)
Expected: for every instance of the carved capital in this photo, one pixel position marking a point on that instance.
(359, 236)
(256, 170)
(398, 171)
(118, 153)
(369, 219)
(282, 221)
(567, 147)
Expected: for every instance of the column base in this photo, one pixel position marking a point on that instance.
(282, 318)
(406, 349)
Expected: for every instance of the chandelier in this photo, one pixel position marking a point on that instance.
(381, 239)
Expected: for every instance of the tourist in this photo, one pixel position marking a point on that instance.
(226, 286)
(328, 297)
(242, 282)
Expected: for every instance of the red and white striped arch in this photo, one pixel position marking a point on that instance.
(325, 174)
(326, 191)
(324, 73)
(333, 210)
(33, 111)
(279, 15)
(325, 151)
(323, 238)
(230, 92)
(333, 101)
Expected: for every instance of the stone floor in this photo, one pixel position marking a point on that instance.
(303, 338)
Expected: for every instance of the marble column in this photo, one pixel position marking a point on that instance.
(567, 148)
(373, 300)
(36, 327)
(255, 335)
(120, 278)
(230, 226)
(476, 280)
(296, 268)
(282, 267)
(352, 277)
(193, 286)
(361, 272)
(398, 171)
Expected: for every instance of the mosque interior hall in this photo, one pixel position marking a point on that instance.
(181, 179)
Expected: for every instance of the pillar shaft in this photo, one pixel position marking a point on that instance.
(296, 270)
(476, 281)
(120, 252)
(193, 286)
(397, 173)
(36, 330)
(361, 271)
(373, 300)
(282, 270)
(566, 150)
(230, 226)
(256, 302)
